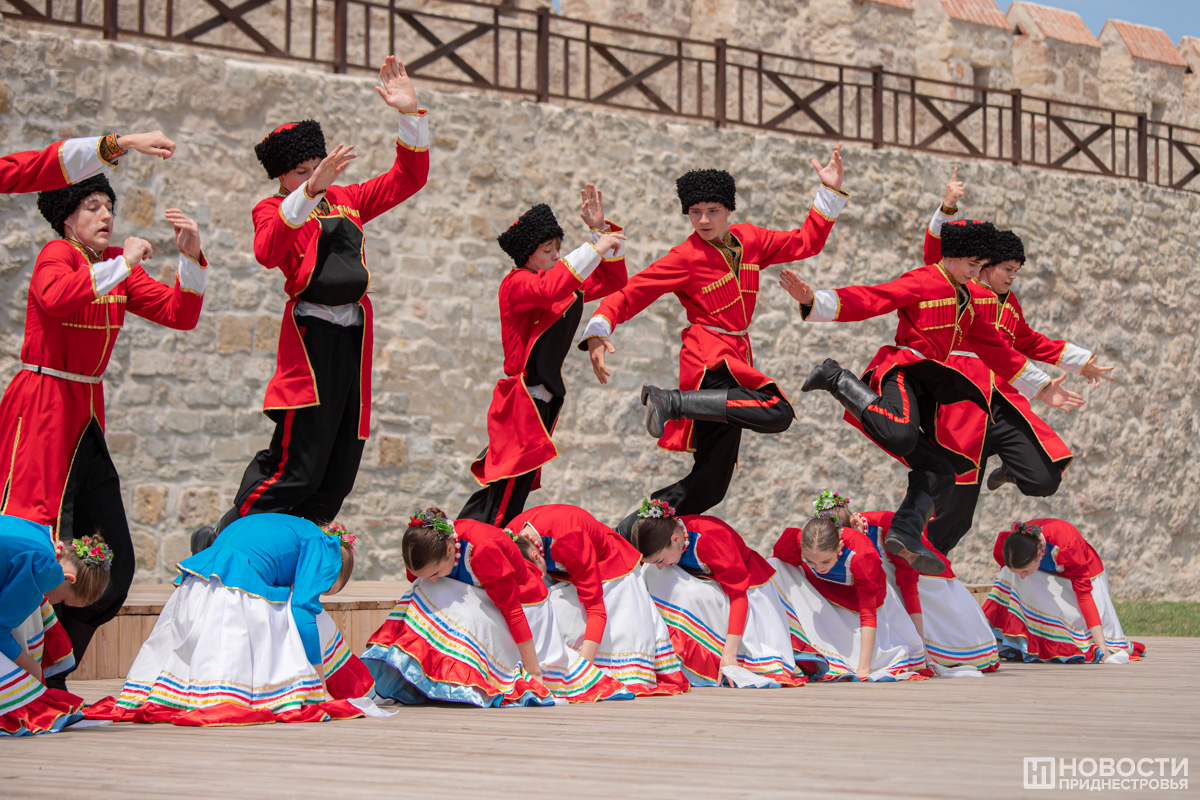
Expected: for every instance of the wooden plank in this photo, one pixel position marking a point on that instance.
(930, 739)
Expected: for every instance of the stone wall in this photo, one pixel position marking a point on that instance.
(1111, 268)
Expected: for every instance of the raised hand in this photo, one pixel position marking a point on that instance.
(1093, 372)
(597, 346)
(593, 206)
(330, 168)
(1055, 396)
(154, 143)
(608, 243)
(136, 251)
(187, 233)
(954, 191)
(397, 89)
(796, 287)
(831, 174)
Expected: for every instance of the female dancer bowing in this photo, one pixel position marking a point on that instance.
(477, 626)
(56, 467)
(714, 274)
(244, 638)
(958, 638)
(598, 596)
(312, 231)
(834, 583)
(541, 302)
(1050, 601)
(719, 598)
(34, 568)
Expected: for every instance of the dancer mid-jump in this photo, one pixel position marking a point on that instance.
(714, 273)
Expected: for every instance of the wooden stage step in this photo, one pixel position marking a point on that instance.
(358, 611)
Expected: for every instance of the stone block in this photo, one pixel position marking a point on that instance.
(235, 333)
(199, 506)
(393, 451)
(149, 500)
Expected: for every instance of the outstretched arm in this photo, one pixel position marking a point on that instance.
(946, 212)
(852, 303)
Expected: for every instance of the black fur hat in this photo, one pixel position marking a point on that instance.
(534, 228)
(968, 238)
(1007, 247)
(706, 186)
(290, 144)
(59, 204)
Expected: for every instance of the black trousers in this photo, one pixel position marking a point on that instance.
(312, 461)
(1012, 438)
(92, 503)
(500, 501)
(716, 445)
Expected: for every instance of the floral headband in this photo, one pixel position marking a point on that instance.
(1029, 530)
(827, 501)
(442, 525)
(655, 509)
(93, 552)
(342, 532)
(521, 534)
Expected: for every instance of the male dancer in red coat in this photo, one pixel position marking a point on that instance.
(73, 160)
(715, 275)
(541, 303)
(312, 232)
(895, 403)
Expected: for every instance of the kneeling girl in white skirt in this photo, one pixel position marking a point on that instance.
(244, 639)
(834, 583)
(602, 605)
(477, 626)
(36, 571)
(718, 597)
(1050, 601)
(958, 638)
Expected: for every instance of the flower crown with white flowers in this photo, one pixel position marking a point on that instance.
(655, 509)
(443, 526)
(827, 501)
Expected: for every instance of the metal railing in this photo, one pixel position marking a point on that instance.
(494, 46)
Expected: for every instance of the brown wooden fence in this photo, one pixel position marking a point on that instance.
(492, 46)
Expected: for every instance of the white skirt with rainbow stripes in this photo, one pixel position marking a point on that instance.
(636, 646)
(820, 626)
(213, 645)
(447, 640)
(696, 611)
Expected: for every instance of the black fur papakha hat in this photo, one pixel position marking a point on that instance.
(1007, 247)
(289, 145)
(706, 186)
(968, 238)
(59, 204)
(533, 229)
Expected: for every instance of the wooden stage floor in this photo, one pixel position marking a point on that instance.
(949, 738)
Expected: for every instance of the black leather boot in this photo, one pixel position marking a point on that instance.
(909, 521)
(663, 405)
(999, 477)
(852, 393)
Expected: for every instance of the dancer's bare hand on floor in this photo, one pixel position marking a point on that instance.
(1055, 396)
(797, 287)
(597, 346)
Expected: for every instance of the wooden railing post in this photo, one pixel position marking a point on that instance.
(877, 107)
(543, 54)
(339, 35)
(719, 88)
(1016, 126)
(109, 22)
(1143, 148)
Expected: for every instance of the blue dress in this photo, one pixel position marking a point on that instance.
(28, 569)
(274, 556)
